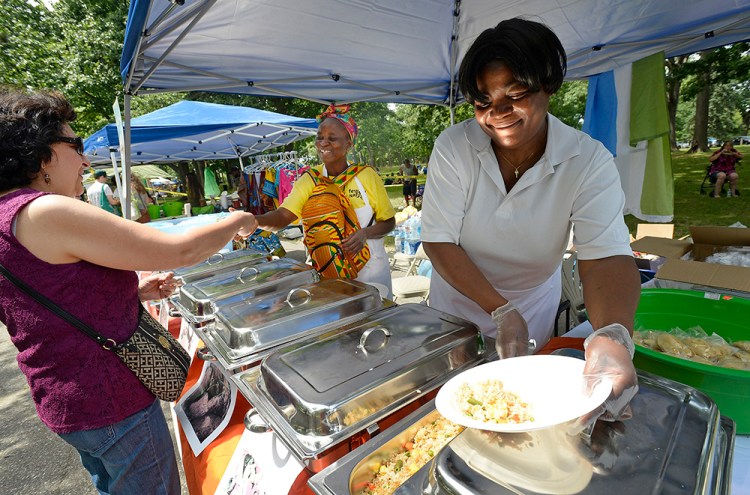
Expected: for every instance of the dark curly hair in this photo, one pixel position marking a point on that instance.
(30, 122)
(532, 52)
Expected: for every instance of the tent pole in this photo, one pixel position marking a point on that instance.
(125, 157)
(454, 57)
(118, 180)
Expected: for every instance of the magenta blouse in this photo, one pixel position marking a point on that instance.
(75, 384)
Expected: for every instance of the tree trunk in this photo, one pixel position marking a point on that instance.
(674, 82)
(700, 133)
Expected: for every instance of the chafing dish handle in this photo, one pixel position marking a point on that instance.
(215, 258)
(205, 354)
(256, 272)
(292, 292)
(256, 426)
(366, 334)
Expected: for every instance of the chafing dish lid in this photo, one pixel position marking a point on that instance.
(242, 278)
(246, 325)
(219, 261)
(390, 357)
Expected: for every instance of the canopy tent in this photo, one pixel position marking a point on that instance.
(193, 130)
(393, 50)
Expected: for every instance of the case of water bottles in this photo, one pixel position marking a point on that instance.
(408, 235)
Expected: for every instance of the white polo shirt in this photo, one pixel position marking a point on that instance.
(517, 238)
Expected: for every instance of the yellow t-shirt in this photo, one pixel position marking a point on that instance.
(373, 185)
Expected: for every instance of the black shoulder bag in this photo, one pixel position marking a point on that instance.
(156, 358)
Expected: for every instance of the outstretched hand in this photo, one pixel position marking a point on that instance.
(158, 285)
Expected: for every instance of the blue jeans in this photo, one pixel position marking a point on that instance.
(134, 456)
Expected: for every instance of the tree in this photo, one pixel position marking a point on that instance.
(675, 72)
(722, 65)
(25, 60)
(569, 103)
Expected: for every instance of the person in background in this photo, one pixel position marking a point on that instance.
(724, 167)
(100, 194)
(141, 199)
(409, 172)
(81, 391)
(366, 192)
(504, 190)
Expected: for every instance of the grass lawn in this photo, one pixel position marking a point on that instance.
(690, 207)
(693, 208)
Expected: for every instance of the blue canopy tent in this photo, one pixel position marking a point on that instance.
(390, 50)
(193, 130)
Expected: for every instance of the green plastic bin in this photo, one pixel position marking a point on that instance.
(728, 316)
(173, 208)
(154, 211)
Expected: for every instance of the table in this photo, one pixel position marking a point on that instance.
(204, 472)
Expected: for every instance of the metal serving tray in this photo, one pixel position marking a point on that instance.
(675, 442)
(319, 392)
(218, 262)
(252, 280)
(245, 325)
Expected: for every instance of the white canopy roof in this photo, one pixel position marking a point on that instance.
(391, 50)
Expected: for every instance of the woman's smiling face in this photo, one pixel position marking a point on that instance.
(332, 141)
(513, 116)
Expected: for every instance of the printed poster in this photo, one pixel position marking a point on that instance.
(205, 410)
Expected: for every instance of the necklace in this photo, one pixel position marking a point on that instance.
(516, 169)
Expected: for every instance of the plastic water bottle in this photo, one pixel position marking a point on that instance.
(399, 239)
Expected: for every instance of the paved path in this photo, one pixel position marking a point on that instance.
(33, 460)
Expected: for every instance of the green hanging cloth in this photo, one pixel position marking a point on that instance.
(210, 187)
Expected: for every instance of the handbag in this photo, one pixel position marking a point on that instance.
(151, 353)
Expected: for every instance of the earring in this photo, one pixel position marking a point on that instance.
(46, 178)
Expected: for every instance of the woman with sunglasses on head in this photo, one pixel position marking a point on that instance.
(503, 193)
(83, 392)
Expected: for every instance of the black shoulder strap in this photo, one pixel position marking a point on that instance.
(54, 308)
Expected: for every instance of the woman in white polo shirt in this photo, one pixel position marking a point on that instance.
(504, 191)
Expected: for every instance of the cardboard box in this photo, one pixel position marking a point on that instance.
(705, 242)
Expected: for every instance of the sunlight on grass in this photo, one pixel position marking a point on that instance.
(693, 208)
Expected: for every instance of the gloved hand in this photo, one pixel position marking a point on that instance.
(512, 332)
(609, 356)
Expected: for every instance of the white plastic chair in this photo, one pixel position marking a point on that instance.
(572, 291)
(412, 285)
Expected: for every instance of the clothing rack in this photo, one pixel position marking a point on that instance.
(276, 160)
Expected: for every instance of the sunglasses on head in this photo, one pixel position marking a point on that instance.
(76, 141)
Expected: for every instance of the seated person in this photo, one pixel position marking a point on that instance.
(723, 163)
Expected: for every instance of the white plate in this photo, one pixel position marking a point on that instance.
(552, 386)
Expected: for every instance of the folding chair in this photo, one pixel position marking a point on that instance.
(712, 182)
(572, 291)
(412, 285)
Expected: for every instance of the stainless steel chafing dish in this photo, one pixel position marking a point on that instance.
(318, 393)
(676, 442)
(247, 326)
(218, 262)
(251, 280)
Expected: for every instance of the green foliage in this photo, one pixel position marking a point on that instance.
(569, 103)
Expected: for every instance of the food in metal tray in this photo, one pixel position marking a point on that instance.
(488, 401)
(394, 471)
(695, 345)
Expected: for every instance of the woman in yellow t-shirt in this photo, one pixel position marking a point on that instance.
(337, 132)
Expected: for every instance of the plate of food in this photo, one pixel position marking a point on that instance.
(520, 394)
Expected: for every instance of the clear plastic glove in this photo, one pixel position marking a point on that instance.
(609, 356)
(512, 332)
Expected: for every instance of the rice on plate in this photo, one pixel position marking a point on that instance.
(489, 402)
